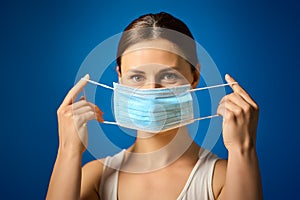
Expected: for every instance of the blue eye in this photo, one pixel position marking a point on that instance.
(137, 78)
(170, 77)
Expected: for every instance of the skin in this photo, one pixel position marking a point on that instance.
(235, 179)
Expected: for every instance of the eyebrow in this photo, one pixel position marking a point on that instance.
(136, 71)
(172, 68)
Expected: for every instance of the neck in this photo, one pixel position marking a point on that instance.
(160, 150)
(149, 142)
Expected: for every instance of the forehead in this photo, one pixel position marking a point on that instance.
(159, 51)
(150, 56)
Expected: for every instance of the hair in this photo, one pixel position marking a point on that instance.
(158, 26)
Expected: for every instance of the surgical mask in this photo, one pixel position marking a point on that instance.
(154, 110)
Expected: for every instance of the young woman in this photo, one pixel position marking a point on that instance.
(174, 167)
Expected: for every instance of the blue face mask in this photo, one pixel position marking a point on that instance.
(153, 110)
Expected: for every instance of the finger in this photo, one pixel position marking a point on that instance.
(83, 118)
(237, 88)
(237, 110)
(238, 100)
(87, 107)
(221, 110)
(226, 113)
(82, 98)
(83, 109)
(72, 94)
(79, 104)
(82, 103)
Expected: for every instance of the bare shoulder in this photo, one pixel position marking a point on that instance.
(219, 177)
(90, 180)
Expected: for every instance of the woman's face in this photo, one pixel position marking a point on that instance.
(155, 64)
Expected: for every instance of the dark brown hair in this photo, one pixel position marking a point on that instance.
(155, 26)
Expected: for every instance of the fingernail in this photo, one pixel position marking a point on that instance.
(227, 76)
(87, 76)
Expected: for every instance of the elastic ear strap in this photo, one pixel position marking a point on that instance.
(209, 87)
(192, 90)
(197, 119)
(96, 83)
(208, 117)
(214, 86)
(108, 122)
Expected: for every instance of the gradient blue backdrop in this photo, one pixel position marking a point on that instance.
(43, 43)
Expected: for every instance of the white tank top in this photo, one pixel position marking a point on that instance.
(198, 185)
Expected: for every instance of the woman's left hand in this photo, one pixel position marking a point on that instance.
(240, 118)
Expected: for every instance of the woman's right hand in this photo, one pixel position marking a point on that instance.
(73, 117)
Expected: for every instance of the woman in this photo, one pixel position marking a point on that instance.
(145, 54)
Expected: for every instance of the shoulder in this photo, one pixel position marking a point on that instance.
(94, 167)
(219, 177)
(90, 180)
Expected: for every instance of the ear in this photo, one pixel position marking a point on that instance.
(196, 76)
(118, 69)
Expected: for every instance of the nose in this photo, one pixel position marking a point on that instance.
(151, 85)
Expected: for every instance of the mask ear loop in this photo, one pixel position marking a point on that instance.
(96, 83)
(214, 86)
(105, 86)
(207, 117)
(209, 87)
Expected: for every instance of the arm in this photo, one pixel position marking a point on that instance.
(90, 182)
(240, 118)
(70, 181)
(242, 176)
(65, 182)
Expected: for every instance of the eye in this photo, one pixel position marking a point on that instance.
(169, 77)
(137, 78)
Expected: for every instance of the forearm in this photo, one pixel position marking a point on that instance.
(243, 177)
(65, 181)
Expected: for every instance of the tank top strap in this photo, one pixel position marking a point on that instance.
(109, 177)
(199, 183)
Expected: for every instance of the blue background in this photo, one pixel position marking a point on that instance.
(43, 44)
